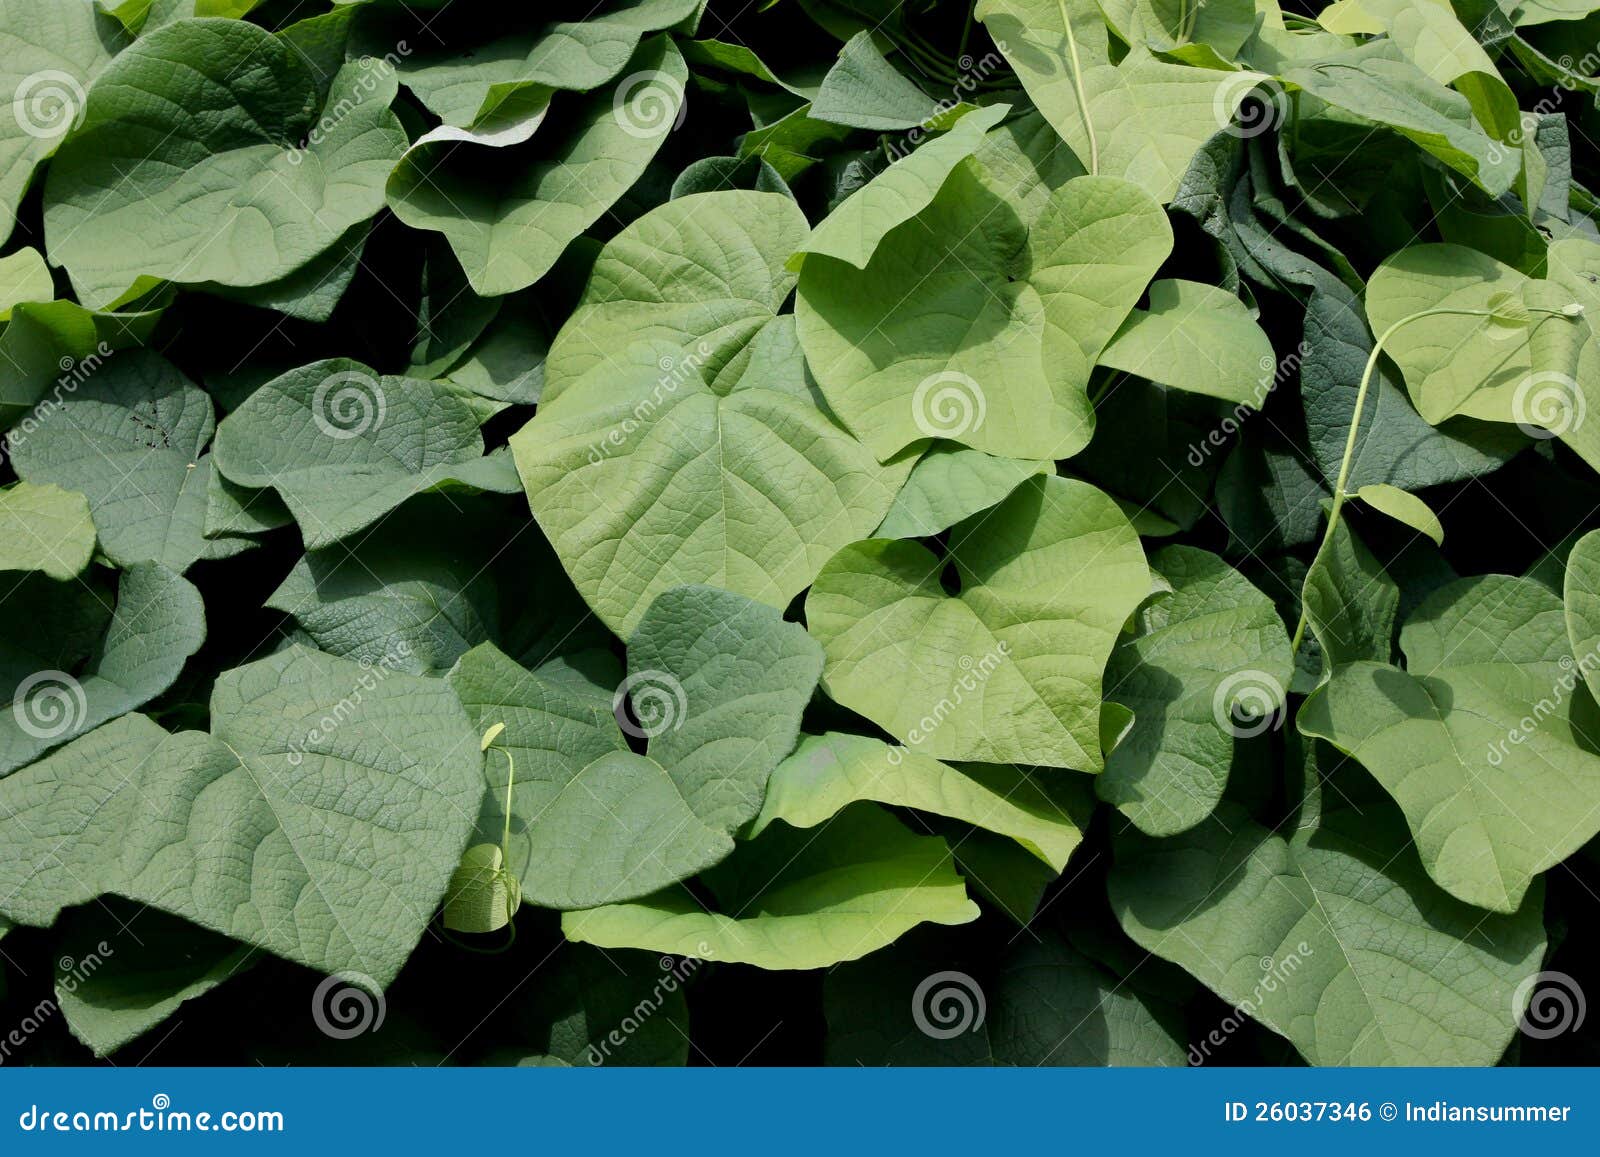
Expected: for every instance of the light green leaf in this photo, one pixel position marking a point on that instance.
(1009, 669)
(362, 816)
(1331, 938)
(1142, 119)
(950, 483)
(1351, 602)
(966, 325)
(159, 621)
(1046, 814)
(50, 54)
(1403, 506)
(24, 277)
(45, 528)
(343, 446)
(1198, 338)
(644, 478)
(852, 232)
(1581, 594)
(797, 898)
(201, 159)
(1479, 739)
(509, 213)
(703, 273)
(1208, 664)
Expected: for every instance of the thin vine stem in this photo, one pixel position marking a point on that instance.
(1077, 88)
(1339, 494)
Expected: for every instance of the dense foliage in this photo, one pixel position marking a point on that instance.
(656, 531)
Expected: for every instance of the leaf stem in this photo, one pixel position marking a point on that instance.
(1348, 460)
(1077, 88)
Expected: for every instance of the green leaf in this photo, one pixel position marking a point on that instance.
(1036, 305)
(158, 623)
(201, 158)
(852, 232)
(24, 277)
(865, 91)
(1351, 602)
(1208, 663)
(509, 213)
(1377, 85)
(797, 898)
(51, 54)
(343, 447)
(45, 528)
(1198, 338)
(122, 970)
(950, 483)
(702, 273)
(1142, 119)
(1009, 669)
(1479, 739)
(645, 477)
(1331, 938)
(1403, 506)
(362, 814)
(1045, 814)
(462, 81)
(717, 684)
(132, 439)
